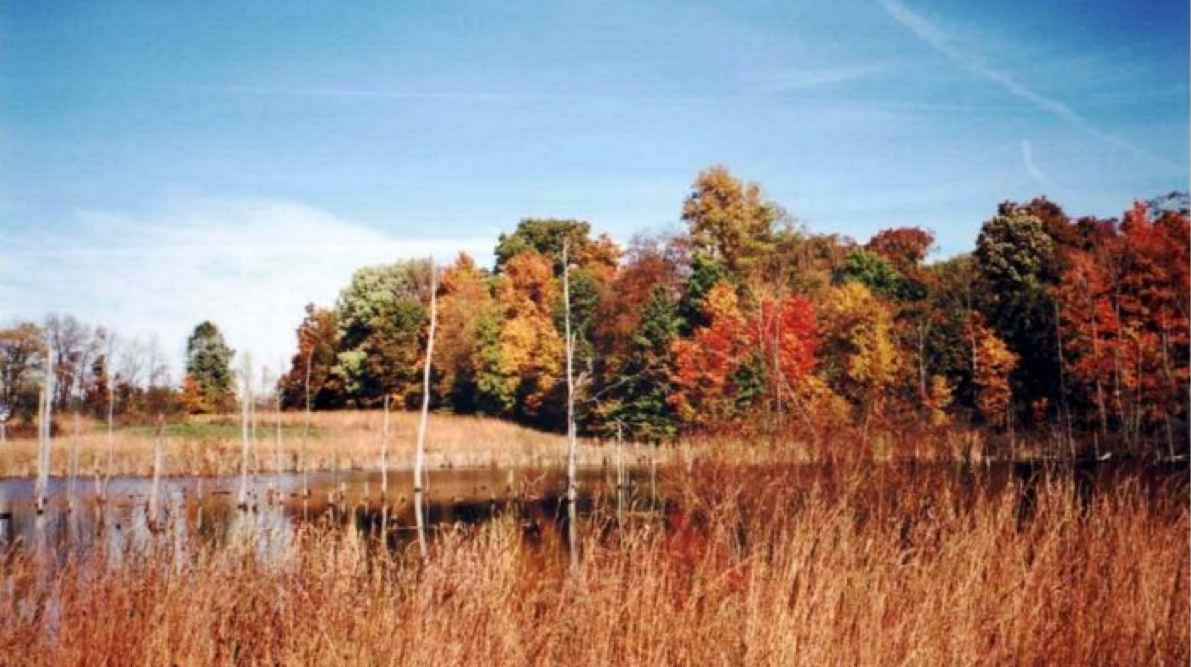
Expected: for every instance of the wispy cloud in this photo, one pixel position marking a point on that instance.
(801, 78)
(248, 265)
(937, 39)
(1027, 158)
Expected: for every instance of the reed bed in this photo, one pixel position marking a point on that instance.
(749, 567)
(349, 440)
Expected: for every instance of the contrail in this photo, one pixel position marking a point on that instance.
(1027, 158)
(939, 41)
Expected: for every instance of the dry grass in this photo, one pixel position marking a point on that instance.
(338, 441)
(757, 568)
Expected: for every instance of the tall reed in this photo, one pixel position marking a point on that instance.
(859, 566)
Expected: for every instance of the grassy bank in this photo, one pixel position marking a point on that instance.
(754, 569)
(335, 441)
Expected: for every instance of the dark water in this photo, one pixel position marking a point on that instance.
(79, 517)
(207, 508)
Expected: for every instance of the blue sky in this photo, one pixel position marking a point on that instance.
(165, 162)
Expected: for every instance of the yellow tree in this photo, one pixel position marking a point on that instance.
(992, 364)
(860, 356)
(465, 307)
(524, 368)
(729, 220)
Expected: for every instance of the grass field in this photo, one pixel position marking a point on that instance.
(336, 441)
(753, 568)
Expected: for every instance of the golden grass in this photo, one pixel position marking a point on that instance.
(338, 441)
(757, 568)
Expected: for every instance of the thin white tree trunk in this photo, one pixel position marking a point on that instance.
(245, 418)
(306, 428)
(572, 489)
(384, 455)
(108, 380)
(420, 452)
(155, 489)
(45, 430)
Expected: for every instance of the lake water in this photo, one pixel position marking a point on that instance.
(79, 517)
(207, 508)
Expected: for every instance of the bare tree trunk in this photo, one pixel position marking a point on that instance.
(73, 460)
(107, 371)
(45, 430)
(1174, 395)
(277, 459)
(572, 489)
(155, 489)
(1064, 413)
(620, 476)
(245, 419)
(384, 454)
(306, 428)
(1100, 406)
(420, 452)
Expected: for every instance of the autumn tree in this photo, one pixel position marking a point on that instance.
(711, 384)
(465, 310)
(860, 357)
(992, 365)
(312, 366)
(521, 352)
(736, 361)
(903, 247)
(730, 221)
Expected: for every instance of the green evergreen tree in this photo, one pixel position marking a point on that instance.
(1017, 269)
(638, 400)
(210, 385)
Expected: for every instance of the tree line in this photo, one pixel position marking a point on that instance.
(745, 321)
(741, 321)
(97, 372)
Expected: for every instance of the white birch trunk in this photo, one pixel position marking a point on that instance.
(245, 417)
(45, 430)
(155, 489)
(384, 454)
(572, 489)
(420, 452)
(306, 428)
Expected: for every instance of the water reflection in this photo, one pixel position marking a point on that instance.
(203, 510)
(78, 519)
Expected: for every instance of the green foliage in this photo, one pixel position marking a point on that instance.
(21, 350)
(872, 271)
(638, 398)
(381, 319)
(1017, 271)
(544, 236)
(210, 383)
(729, 220)
(745, 322)
(705, 274)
